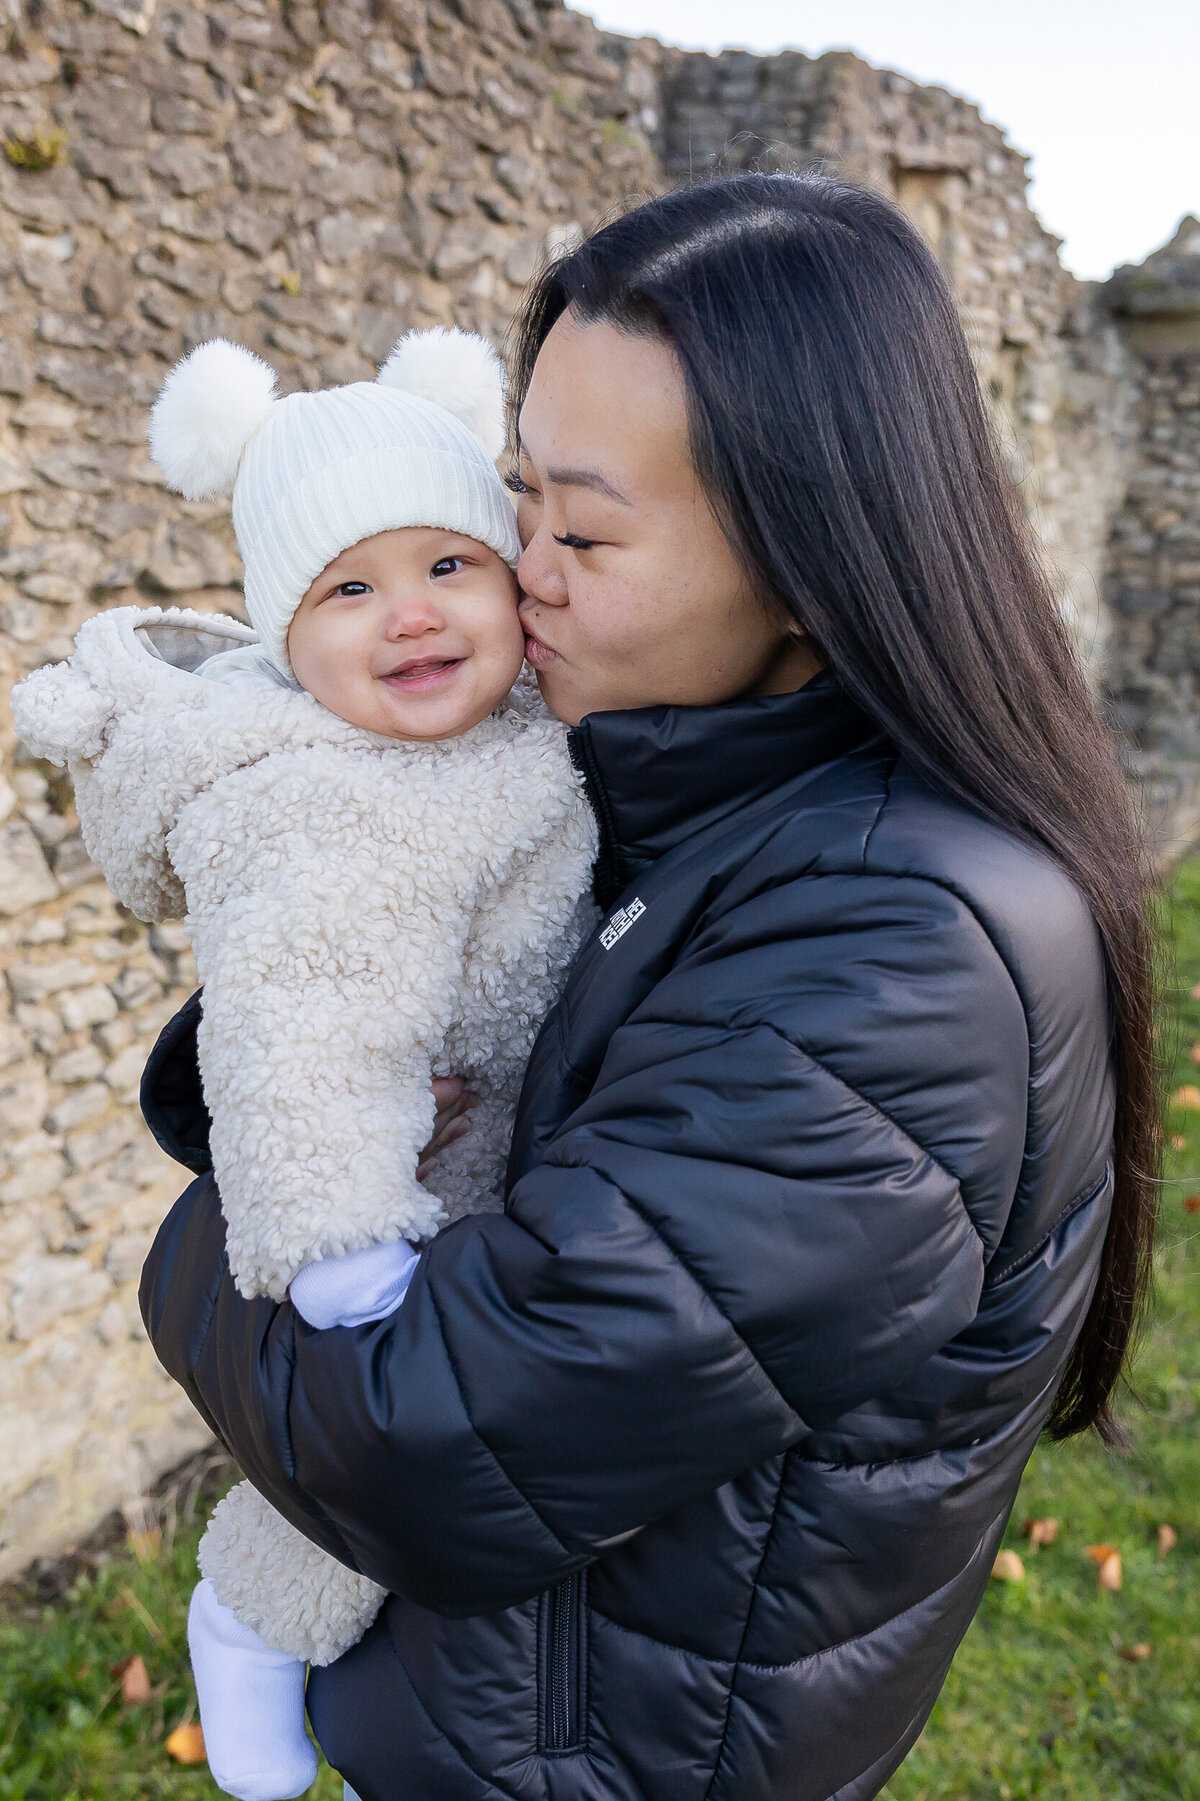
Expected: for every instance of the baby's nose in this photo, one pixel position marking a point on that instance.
(413, 614)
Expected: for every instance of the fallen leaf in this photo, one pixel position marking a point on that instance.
(1196, 992)
(1187, 1097)
(186, 1745)
(145, 1545)
(1108, 1566)
(1008, 1567)
(1167, 1540)
(1041, 1532)
(1194, 1053)
(1177, 1141)
(135, 1682)
(1192, 1204)
(1136, 1653)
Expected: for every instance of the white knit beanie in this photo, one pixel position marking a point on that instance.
(312, 474)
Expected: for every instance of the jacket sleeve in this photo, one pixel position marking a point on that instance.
(767, 1210)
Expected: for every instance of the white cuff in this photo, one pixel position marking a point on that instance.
(349, 1291)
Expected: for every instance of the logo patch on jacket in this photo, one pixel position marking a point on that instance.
(620, 922)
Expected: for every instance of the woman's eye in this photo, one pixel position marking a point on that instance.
(448, 566)
(515, 485)
(573, 541)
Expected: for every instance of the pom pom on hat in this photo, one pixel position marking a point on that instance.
(211, 405)
(457, 370)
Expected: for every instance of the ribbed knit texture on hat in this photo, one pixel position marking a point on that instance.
(330, 469)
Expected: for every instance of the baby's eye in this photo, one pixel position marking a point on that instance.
(447, 566)
(352, 589)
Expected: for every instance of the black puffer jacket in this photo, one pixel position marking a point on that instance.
(687, 1473)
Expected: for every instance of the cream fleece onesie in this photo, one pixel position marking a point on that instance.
(366, 913)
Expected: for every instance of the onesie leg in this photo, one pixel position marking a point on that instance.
(251, 1706)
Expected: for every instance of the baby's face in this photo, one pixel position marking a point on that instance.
(413, 634)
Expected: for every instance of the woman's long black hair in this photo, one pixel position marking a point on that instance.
(838, 428)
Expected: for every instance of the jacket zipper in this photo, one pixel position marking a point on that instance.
(562, 1665)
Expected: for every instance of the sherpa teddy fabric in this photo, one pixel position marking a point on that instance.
(366, 913)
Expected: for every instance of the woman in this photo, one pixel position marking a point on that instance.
(831, 1184)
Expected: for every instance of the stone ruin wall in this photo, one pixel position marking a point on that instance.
(1152, 670)
(313, 180)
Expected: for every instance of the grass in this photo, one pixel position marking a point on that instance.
(1040, 1702)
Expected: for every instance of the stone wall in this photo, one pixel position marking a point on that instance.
(1153, 581)
(312, 180)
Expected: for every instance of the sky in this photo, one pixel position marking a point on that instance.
(1104, 95)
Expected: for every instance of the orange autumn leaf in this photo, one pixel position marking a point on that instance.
(1108, 1566)
(1041, 1532)
(1177, 1141)
(1008, 1567)
(186, 1745)
(1167, 1539)
(1136, 1653)
(1196, 992)
(1187, 1097)
(1194, 1053)
(145, 1545)
(135, 1682)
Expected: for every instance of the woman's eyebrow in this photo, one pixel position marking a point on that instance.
(587, 478)
(581, 478)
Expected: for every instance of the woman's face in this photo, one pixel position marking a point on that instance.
(631, 595)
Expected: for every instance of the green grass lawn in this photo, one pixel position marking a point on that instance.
(1040, 1702)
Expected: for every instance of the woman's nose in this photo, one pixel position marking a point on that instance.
(540, 571)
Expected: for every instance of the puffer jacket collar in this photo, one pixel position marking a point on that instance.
(657, 775)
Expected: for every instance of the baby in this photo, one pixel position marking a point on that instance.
(381, 854)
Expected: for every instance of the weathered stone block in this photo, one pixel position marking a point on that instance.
(34, 981)
(87, 1007)
(189, 168)
(123, 172)
(47, 1289)
(273, 164)
(71, 864)
(25, 878)
(339, 237)
(23, 1103)
(134, 987)
(86, 1149)
(82, 1065)
(75, 1109)
(14, 476)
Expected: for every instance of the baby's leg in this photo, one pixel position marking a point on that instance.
(251, 1706)
(271, 1601)
(301, 1600)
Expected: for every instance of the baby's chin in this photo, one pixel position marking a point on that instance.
(424, 718)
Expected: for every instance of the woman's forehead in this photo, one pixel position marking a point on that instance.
(605, 411)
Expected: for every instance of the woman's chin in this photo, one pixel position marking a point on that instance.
(556, 694)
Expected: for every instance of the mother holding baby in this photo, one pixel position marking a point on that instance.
(831, 1184)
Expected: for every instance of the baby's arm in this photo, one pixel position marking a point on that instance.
(329, 936)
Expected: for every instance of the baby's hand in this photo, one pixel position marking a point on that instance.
(454, 1101)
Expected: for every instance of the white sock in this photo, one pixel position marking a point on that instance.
(251, 1705)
